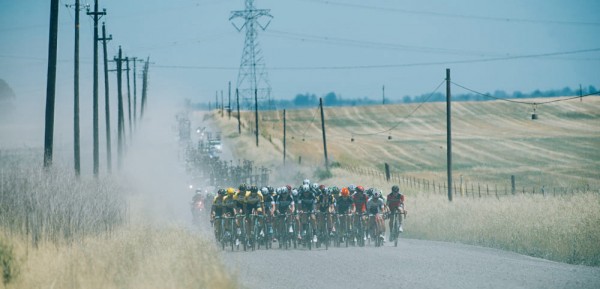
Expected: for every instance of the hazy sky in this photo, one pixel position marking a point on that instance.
(307, 35)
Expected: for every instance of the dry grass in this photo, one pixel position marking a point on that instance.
(491, 140)
(131, 258)
(60, 232)
(563, 228)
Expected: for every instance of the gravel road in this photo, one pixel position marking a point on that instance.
(413, 264)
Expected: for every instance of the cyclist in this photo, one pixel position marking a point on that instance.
(230, 207)
(325, 205)
(344, 206)
(359, 207)
(395, 204)
(307, 201)
(216, 210)
(284, 204)
(253, 204)
(375, 206)
(269, 204)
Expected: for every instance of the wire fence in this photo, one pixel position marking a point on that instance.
(466, 188)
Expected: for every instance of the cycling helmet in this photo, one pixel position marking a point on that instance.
(352, 188)
(264, 191)
(305, 188)
(271, 189)
(278, 191)
(376, 194)
(360, 189)
(395, 189)
(306, 182)
(294, 192)
(345, 192)
(334, 190)
(230, 191)
(289, 188)
(321, 187)
(369, 191)
(314, 186)
(243, 187)
(253, 189)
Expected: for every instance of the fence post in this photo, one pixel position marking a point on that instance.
(487, 187)
(496, 189)
(387, 172)
(512, 183)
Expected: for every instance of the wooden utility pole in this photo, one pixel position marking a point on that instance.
(144, 87)
(229, 107)
(324, 135)
(237, 96)
(449, 134)
(51, 84)
(217, 100)
(135, 60)
(222, 104)
(76, 134)
(120, 114)
(104, 39)
(383, 94)
(129, 98)
(256, 113)
(96, 15)
(284, 137)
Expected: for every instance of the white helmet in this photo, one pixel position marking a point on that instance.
(264, 190)
(305, 188)
(294, 192)
(306, 182)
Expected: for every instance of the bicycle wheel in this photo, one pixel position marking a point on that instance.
(308, 238)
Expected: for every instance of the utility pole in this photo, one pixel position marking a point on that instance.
(580, 93)
(229, 107)
(135, 60)
(104, 39)
(120, 122)
(449, 134)
(217, 100)
(256, 113)
(129, 98)
(144, 87)
(222, 105)
(96, 15)
(51, 84)
(76, 135)
(284, 137)
(324, 135)
(383, 94)
(237, 96)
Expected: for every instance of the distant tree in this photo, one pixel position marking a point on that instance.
(406, 99)
(592, 89)
(331, 99)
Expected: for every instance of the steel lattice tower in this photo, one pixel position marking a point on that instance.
(253, 73)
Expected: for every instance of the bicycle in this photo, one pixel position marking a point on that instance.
(374, 231)
(395, 229)
(359, 230)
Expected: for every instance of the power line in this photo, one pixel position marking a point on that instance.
(523, 102)
(451, 15)
(369, 44)
(311, 122)
(406, 117)
(382, 66)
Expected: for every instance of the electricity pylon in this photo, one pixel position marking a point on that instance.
(253, 73)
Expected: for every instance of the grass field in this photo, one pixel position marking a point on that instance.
(60, 232)
(491, 142)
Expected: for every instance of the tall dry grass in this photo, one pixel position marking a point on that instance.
(562, 228)
(60, 232)
(142, 257)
